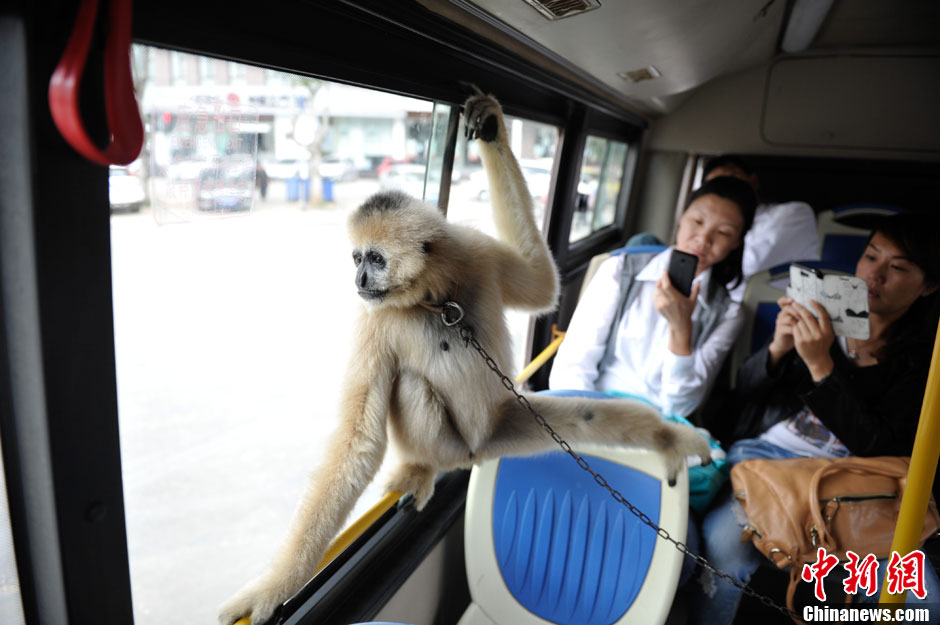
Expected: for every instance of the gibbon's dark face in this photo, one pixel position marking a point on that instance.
(391, 234)
(371, 274)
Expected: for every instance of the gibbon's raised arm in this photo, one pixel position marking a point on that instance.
(527, 273)
(354, 454)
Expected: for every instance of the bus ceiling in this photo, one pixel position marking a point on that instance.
(654, 54)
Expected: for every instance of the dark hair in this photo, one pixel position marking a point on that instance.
(725, 160)
(912, 335)
(742, 194)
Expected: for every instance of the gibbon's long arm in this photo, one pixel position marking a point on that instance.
(353, 456)
(527, 274)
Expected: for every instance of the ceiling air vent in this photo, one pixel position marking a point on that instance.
(557, 9)
(639, 75)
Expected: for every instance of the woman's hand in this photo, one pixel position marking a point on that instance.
(677, 310)
(783, 331)
(813, 338)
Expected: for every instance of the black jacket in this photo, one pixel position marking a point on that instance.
(873, 410)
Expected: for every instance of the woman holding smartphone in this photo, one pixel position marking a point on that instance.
(814, 395)
(635, 333)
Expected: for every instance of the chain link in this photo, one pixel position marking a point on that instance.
(469, 340)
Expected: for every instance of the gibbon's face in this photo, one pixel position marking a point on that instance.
(391, 234)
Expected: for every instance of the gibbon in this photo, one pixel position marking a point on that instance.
(412, 379)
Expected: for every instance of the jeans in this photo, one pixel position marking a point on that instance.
(693, 542)
(721, 537)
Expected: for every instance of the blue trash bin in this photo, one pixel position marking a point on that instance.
(293, 188)
(305, 188)
(327, 189)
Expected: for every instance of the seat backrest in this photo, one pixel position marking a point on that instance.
(544, 542)
(843, 232)
(760, 307)
(597, 260)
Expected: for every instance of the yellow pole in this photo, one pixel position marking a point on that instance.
(361, 524)
(542, 358)
(921, 473)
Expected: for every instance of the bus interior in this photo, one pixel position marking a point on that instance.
(174, 330)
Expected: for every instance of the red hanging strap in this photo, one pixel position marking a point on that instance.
(124, 124)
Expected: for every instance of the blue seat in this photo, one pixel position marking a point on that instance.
(843, 232)
(597, 260)
(544, 542)
(639, 249)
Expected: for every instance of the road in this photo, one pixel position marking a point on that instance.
(231, 335)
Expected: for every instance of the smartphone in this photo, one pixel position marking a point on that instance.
(682, 271)
(844, 297)
(805, 271)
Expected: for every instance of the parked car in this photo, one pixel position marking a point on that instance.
(387, 163)
(125, 190)
(537, 174)
(404, 177)
(339, 169)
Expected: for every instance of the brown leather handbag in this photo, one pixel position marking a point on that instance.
(796, 505)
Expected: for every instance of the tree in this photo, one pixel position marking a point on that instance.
(314, 132)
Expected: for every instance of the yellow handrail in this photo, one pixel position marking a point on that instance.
(350, 534)
(557, 337)
(355, 530)
(359, 526)
(921, 473)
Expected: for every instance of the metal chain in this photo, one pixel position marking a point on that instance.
(466, 334)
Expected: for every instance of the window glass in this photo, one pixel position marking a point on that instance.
(233, 311)
(599, 186)
(11, 606)
(534, 145)
(440, 120)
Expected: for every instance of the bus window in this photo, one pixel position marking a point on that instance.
(232, 318)
(602, 169)
(437, 148)
(534, 144)
(11, 607)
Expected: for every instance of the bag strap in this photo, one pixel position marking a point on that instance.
(825, 539)
(795, 572)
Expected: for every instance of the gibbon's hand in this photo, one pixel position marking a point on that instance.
(677, 310)
(813, 338)
(257, 601)
(482, 117)
(783, 331)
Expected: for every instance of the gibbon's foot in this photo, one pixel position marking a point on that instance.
(414, 479)
(481, 117)
(257, 601)
(677, 442)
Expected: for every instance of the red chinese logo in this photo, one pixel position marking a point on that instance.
(903, 574)
(819, 570)
(906, 573)
(862, 573)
